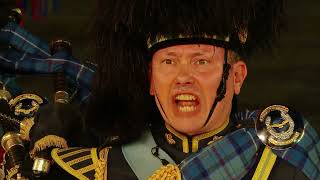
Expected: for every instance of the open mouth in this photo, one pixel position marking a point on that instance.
(186, 102)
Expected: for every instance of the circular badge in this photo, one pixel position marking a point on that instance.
(279, 127)
(26, 104)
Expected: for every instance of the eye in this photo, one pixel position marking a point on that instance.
(167, 61)
(202, 62)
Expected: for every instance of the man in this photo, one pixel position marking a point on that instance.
(193, 56)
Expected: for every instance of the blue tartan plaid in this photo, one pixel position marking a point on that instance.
(233, 156)
(21, 39)
(79, 74)
(230, 158)
(30, 54)
(306, 154)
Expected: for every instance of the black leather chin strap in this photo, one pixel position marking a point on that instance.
(221, 91)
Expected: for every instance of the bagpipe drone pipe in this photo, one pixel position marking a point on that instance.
(31, 124)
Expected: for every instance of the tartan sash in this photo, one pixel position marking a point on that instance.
(230, 158)
(31, 55)
(306, 154)
(233, 156)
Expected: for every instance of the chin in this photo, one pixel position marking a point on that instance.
(189, 128)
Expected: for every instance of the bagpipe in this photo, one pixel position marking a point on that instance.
(23, 133)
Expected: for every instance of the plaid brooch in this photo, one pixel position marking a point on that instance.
(32, 55)
(234, 156)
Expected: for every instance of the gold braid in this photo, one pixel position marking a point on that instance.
(25, 126)
(101, 169)
(168, 172)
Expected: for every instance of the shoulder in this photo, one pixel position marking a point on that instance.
(88, 163)
(292, 139)
(278, 168)
(82, 163)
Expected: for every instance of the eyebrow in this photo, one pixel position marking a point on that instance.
(171, 53)
(198, 54)
(193, 54)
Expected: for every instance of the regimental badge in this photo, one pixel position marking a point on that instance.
(169, 138)
(279, 127)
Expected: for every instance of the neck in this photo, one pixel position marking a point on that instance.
(193, 141)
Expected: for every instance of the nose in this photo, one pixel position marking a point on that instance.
(184, 76)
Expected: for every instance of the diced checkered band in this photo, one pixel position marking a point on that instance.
(151, 42)
(165, 40)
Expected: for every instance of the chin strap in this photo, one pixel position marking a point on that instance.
(161, 108)
(221, 91)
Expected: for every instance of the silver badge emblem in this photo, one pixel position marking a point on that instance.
(277, 129)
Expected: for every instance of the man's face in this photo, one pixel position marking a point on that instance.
(185, 78)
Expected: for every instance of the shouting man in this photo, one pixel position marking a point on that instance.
(190, 57)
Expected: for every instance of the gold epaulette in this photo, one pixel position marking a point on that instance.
(82, 163)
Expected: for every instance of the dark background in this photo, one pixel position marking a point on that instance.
(289, 75)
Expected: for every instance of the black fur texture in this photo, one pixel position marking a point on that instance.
(120, 103)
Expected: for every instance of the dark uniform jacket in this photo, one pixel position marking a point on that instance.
(168, 140)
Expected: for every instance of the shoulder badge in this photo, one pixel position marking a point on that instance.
(279, 127)
(82, 163)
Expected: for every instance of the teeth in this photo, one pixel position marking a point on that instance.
(186, 103)
(187, 108)
(185, 97)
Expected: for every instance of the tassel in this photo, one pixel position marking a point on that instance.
(48, 142)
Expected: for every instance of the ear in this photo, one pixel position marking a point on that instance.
(239, 75)
(151, 89)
